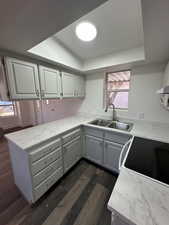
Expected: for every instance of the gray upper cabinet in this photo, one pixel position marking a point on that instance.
(94, 149)
(22, 79)
(79, 86)
(27, 81)
(112, 153)
(50, 82)
(68, 85)
(73, 86)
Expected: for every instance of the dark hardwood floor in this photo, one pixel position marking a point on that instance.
(79, 198)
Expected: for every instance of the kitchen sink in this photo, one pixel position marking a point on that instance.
(100, 122)
(121, 125)
(113, 124)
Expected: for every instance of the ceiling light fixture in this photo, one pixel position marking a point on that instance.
(86, 31)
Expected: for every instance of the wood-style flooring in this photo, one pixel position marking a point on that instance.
(79, 198)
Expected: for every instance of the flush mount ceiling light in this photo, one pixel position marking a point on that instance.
(86, 31)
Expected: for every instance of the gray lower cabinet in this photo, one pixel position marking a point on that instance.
(112, 153)
(94, 149)
(72, 152)
(104, 147)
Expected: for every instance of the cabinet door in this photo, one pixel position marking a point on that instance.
(80, 86)
(23, 79)
(68, 85)
(50, 82)
(94, 149)
(72, 153)
(111, 155)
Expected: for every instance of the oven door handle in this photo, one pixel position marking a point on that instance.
(121, 154)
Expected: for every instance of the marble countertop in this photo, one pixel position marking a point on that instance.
(34, 135)
(140, 200)
(31, 136)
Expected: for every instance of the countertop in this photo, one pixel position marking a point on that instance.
(140, 200)
(34, 135)
(31, 136)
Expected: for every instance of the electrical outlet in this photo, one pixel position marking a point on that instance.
(141, 115)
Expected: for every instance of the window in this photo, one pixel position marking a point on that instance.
(6, 108)
(117, 89)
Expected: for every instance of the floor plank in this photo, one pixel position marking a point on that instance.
(68, 201)
(93, 207)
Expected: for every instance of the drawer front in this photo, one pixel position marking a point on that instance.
(38, 178)
(44, 150)
(72, 153)
(117, 137)
(45, 185)
(93, 132)
(45, 161)
(68, 137)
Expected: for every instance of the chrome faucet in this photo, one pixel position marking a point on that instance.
(114, 111)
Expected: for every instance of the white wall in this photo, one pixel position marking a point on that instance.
(29, 113)
(26, 113)
(145, 81)
(60, 108)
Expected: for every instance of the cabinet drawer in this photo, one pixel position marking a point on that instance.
(45, 161)
(117, 137)
(72, 153)
(45, 185)
(38, 178)
(93, 132)
(44, 150)
(68, 137)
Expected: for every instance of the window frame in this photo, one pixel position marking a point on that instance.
(14, 110)
(106, 92)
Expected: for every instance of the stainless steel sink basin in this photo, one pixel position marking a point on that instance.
(100, 122)
(121, 125)
(113, 124)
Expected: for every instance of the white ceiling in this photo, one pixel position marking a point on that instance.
(119, 25)
(24, 24)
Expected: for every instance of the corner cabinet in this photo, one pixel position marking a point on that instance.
(50, 82)
(23, 79)
(73, 86)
